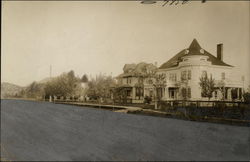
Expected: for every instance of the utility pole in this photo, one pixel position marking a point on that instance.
(243, 80)
(50, 71)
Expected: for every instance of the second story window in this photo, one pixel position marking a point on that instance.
(172, 77)
(149, 81)
(223, 76)
(128, 80)
(184, 75)
(140, 80)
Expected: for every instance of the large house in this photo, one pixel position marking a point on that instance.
(182, 75)
(184, 70)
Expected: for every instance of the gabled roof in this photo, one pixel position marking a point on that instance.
(194, 49)
(137, 70)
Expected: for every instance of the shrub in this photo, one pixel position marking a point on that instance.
(246, 97)
(147, 100)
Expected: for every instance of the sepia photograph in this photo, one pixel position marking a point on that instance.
(117, 80)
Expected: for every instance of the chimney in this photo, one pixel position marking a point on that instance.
(220, 51)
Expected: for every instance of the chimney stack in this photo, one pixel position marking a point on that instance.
(220, 51)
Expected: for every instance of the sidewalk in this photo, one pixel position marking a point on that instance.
(158, 113)
(124, 109)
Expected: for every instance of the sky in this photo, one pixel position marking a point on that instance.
(101, 36)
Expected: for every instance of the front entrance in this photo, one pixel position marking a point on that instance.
(172, 93)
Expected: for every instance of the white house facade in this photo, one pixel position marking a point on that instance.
(184, 70)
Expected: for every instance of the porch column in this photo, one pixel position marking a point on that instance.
(166, 93)
(229, 94)
(238, 93)
(133, 93)
(145, 92)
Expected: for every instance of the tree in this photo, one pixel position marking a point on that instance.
(207, 86)
(248, 89)
(84, 78)
(246, 97)
(221, 86)
(184, 93)
(184, 89)
(100, 87)
(158, 81)
(64, 85)
(34, 90)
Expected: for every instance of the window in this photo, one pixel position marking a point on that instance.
(189, 92)
(184, 93)
(184, 75)
(240, 93)
(128, 81)
(204, 73)
(151, 93)
(226, 93)
(150, 81)
(189, 74)
(159, 92)
(139, 92)
(129, 93)
(174, 63)
(215, 94)
(171, 93)
(223, 76)
(140, 80)
(172, 77)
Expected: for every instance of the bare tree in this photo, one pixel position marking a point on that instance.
(207, 85)
(221, 87)
(158, 81)
(63, 85)
(100, 87)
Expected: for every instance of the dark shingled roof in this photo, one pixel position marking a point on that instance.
(136, 69)
(194, 49)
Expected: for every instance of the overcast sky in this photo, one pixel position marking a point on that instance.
(94, 37)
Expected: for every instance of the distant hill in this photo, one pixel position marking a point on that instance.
(9, 89)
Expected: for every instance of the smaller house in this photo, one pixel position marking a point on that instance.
(131, 81)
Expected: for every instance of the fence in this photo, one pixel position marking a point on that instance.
(185, 103)
(223, 109)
